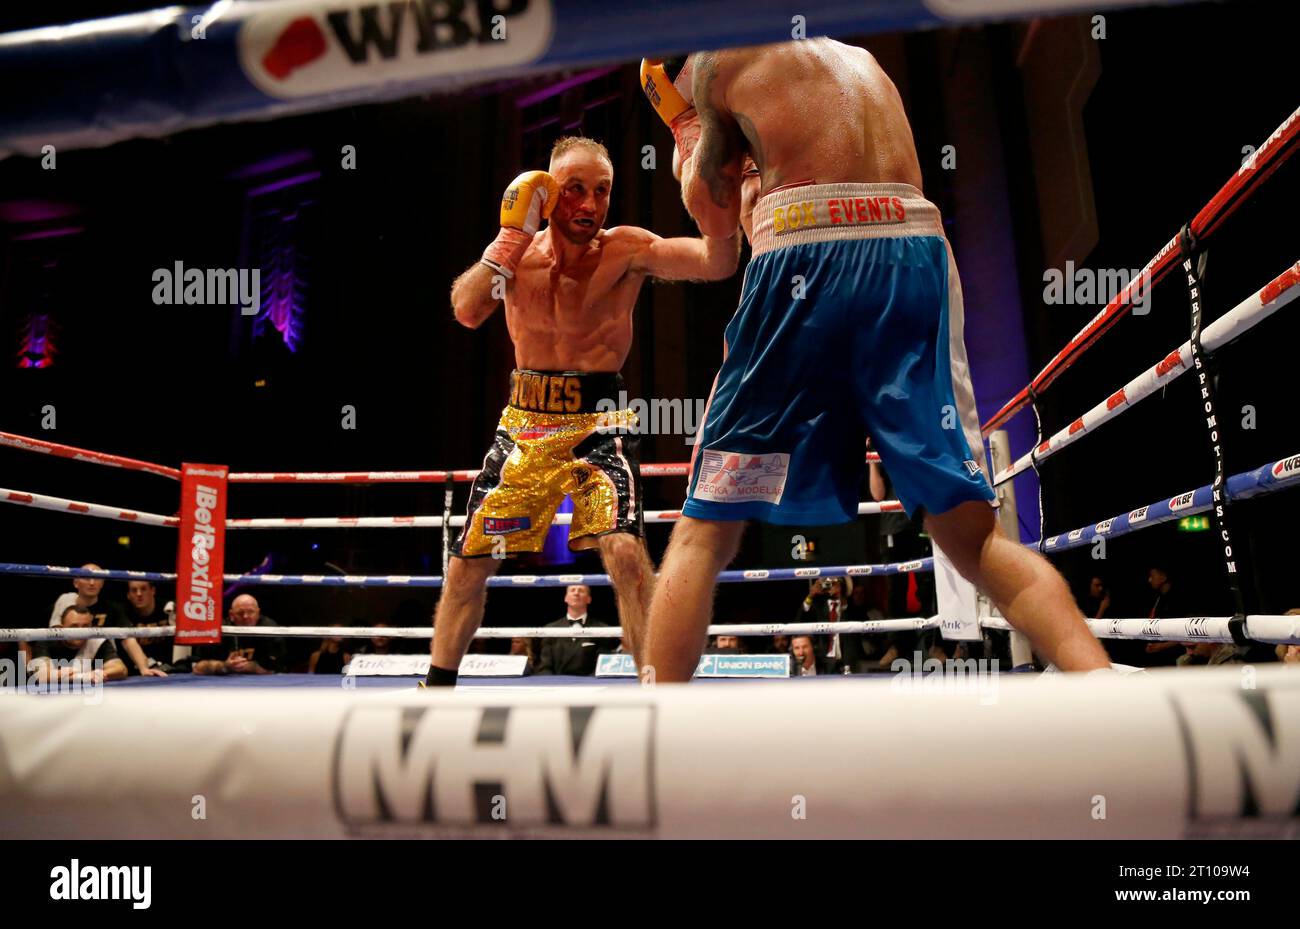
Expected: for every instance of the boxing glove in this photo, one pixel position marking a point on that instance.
(528, 200)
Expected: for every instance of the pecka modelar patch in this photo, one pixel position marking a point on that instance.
(732, 477)
(305, 48)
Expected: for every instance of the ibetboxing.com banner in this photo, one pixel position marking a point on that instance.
(201, 559)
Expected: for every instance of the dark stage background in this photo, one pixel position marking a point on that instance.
(1067, 148)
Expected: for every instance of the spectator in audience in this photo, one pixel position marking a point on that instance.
(780, 645)
(1289, 654)
(805, 655)
(86, 592)
(523, 646)
(81, 654)
(1167, 605)
(332, 655)
(1097, 604)
(1197, 653)
(572, 656)
(142, 610)
(878, 650)
(725, 644)
(828, 602)
(237, 654)
(379, 644)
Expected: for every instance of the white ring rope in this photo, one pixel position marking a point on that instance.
(664, 469)
(423, 522)
(60, 504)
(1258, 307)
(44, 502)
(1266, 628)
(58, 633)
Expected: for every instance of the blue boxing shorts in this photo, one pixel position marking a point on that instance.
(849, 325)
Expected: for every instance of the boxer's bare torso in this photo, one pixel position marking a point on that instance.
(576, 315)
(569, 305)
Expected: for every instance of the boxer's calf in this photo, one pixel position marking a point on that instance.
(632, 574)
(460, 609)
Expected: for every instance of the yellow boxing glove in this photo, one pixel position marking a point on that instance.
(672, 101)
(528, 200)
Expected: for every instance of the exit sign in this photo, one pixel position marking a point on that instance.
(1194, 524)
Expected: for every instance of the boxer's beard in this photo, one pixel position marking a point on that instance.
(579, 235)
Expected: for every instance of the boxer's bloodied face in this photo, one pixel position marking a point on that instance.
(585, 180)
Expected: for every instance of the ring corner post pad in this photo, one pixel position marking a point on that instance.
(200, 556)
(958, 602)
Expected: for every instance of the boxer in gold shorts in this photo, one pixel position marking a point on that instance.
(556, 438)
(569, 290)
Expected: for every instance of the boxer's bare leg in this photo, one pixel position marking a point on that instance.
(633, 575)
(683, 599)
(1024, 586)
(460, 608)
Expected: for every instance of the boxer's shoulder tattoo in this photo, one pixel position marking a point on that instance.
(750, 132)
(704, 71)
(719, 142)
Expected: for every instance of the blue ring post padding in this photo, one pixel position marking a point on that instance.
(147, 75)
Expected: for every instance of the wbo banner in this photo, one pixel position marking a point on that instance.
(200, 561)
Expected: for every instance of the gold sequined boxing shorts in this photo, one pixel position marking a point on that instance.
(556, 438)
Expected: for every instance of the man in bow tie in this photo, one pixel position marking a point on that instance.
(573, 656)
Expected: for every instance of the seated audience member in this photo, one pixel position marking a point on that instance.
(142, 609)
(725, 645)
(379, 644)
(1289, 654)
(87, 592)
(828, 602)
(877, 650)
(1197, 653)
(523, 646)
(780, 645)
(1097, 604)
(236, 654)
(1168, 604)
(332, 655)
(572, 656)
(80, 655)
(805, 655)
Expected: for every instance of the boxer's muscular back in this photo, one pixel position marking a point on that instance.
(820, 110)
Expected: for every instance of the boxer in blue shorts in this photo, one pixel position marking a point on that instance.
(850, 324)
